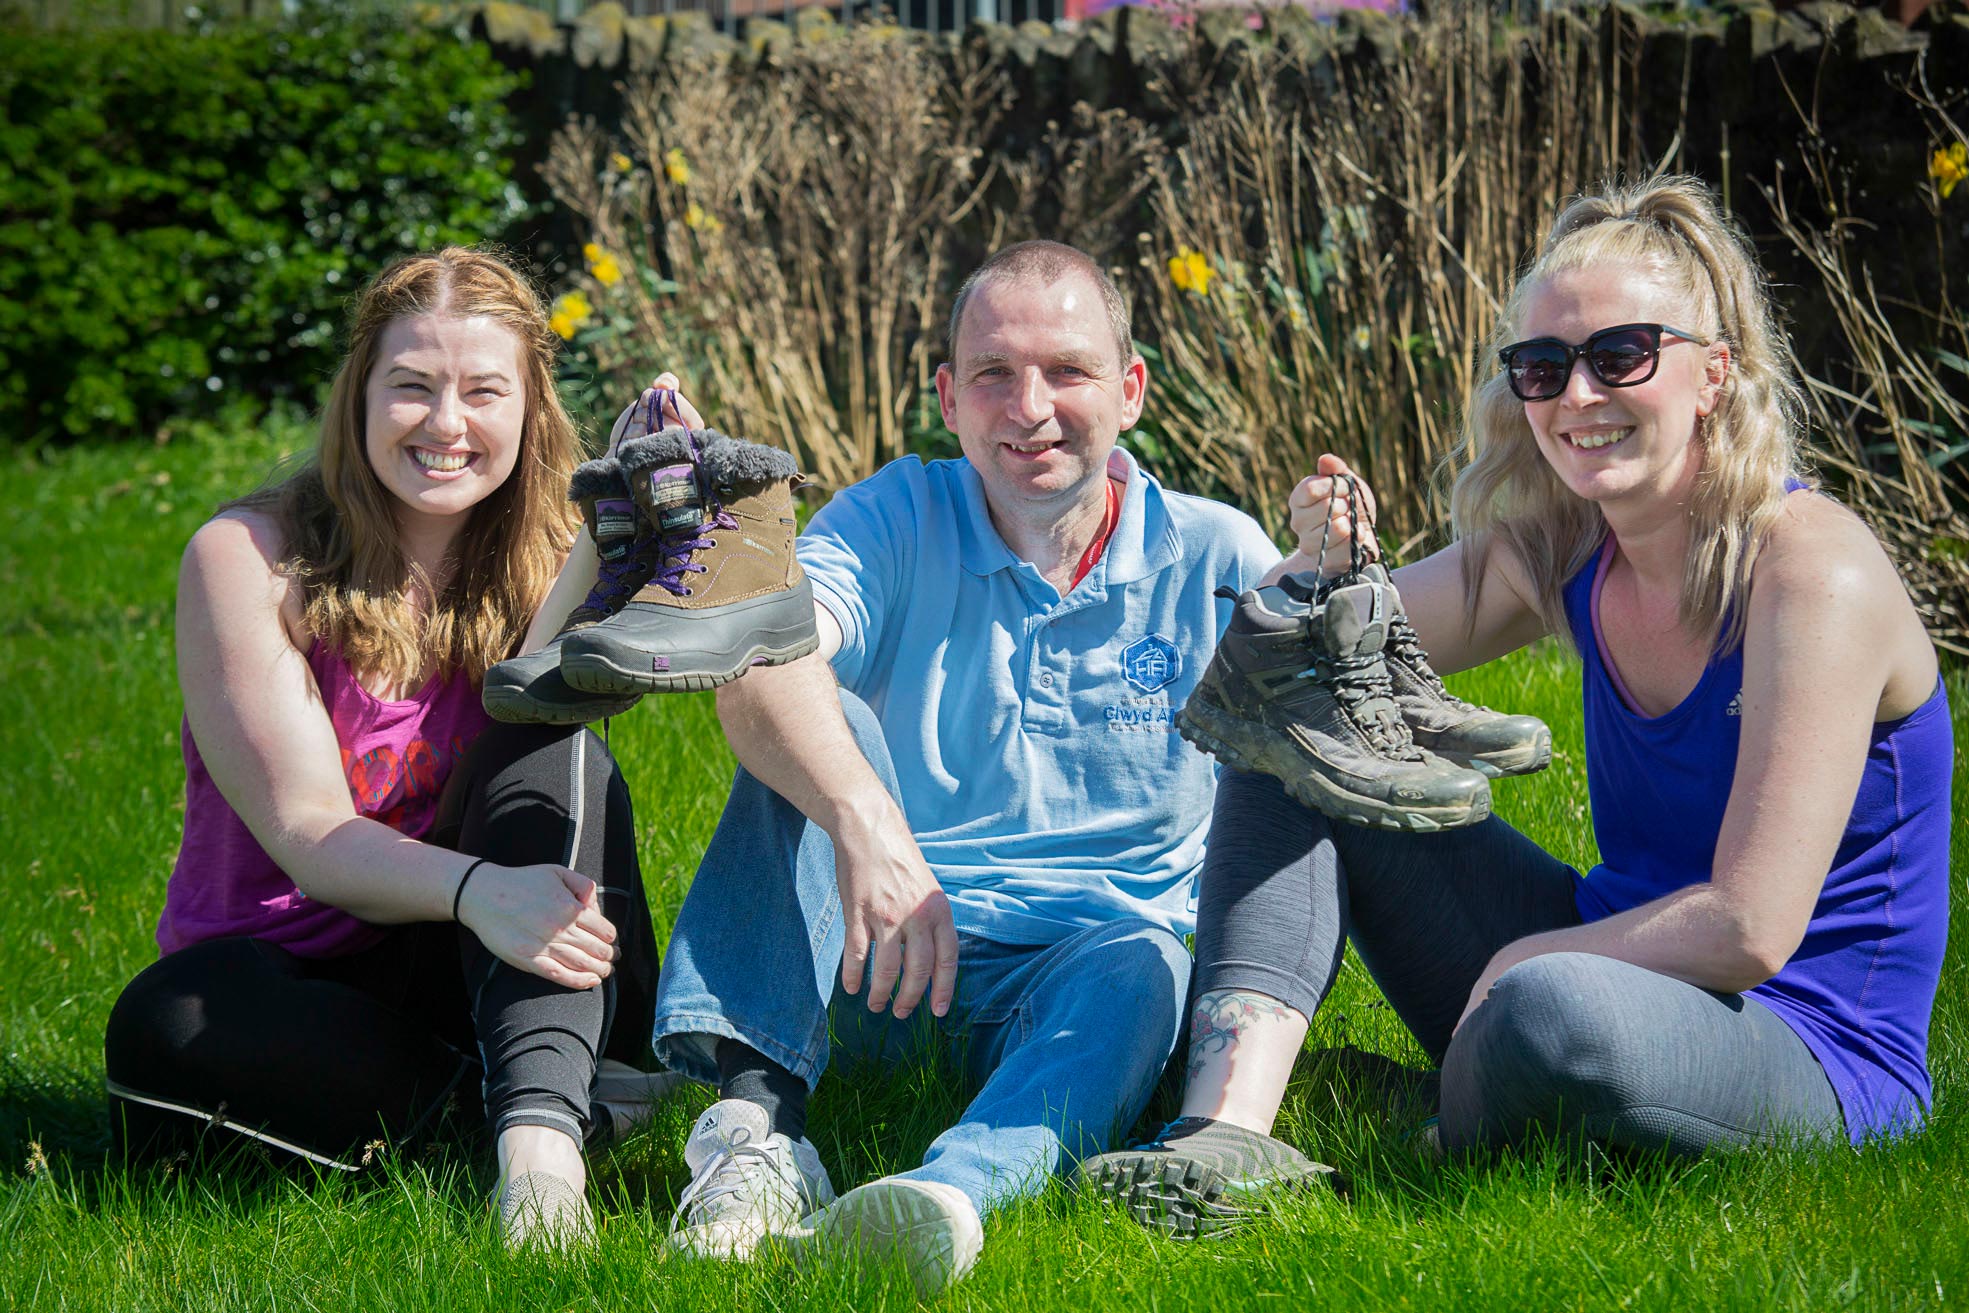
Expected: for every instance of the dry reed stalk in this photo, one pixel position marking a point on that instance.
(803, 262)
(1361, 238)
(1894, 428)
(1084, 184)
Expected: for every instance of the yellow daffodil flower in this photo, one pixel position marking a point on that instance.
(602, 265)
(1190, 271)
(675, 167)
(1949, 166)
(571, 311)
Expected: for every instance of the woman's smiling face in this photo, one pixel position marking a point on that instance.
(1611, 444)
(444, 412)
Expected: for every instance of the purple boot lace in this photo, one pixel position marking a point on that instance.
(678, 546)
(615, 581)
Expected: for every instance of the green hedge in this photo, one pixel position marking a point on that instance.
(183, 215)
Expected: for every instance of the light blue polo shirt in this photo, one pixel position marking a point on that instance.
(1034, 734)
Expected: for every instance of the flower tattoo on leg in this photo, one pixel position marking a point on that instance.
(1220, 1019)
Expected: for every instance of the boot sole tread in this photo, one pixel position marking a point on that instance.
(1183, 1199)
(1318, 792)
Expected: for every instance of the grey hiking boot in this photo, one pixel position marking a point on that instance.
(746, 1184)
(727, 592)
(529, 690)
(1469, 735)
(1300, 692)
(1199, 1176)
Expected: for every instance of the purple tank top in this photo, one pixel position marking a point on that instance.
(1861, 985)
(396, 756)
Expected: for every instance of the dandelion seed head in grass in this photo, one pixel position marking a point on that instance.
(1948, 166)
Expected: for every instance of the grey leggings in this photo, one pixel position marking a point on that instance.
(1568, 1044)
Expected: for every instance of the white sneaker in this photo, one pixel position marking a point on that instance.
(931, 1227)
(746, 1184)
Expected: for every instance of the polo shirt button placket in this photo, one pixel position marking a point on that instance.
(1044, 711)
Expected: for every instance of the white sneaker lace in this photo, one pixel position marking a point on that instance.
(734, 1171)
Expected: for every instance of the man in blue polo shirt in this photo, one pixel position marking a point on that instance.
(991, 808)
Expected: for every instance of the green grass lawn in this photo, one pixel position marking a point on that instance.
(90, 802)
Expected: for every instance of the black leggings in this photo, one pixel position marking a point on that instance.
(323, 1056)
(1572, 1044)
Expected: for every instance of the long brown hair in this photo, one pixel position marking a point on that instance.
(339, 523)
(1672, 228)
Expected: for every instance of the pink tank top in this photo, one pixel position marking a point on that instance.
(396, 756)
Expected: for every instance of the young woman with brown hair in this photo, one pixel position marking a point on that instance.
(384, 906)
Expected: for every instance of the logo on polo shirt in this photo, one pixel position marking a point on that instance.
(1151, 662)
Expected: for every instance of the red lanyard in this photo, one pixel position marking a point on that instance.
(1092, 556)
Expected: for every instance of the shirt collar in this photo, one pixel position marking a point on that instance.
(1143, 542)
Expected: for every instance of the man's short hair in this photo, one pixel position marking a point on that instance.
(1045, 262)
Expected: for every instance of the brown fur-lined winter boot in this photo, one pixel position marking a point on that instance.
(726, 593)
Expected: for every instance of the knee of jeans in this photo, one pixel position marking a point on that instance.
(1144, 972)
(867, 731)
(1550, 1025)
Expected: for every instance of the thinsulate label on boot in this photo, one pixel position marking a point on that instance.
(614, 527)
(674, 502)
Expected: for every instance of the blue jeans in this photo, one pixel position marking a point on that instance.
(1067, 1038)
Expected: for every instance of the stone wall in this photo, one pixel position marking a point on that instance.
(1730, 92)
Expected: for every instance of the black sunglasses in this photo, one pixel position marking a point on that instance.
(1621, 357)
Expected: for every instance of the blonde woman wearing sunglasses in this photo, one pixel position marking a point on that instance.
(1768, 753)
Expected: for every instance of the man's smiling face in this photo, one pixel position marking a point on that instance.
(1039, 390)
